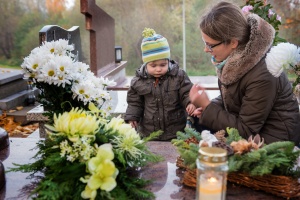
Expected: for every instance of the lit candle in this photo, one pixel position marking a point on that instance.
(212, 170)
(210, 187)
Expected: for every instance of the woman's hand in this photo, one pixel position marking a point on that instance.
(190, 109)
(199, 97)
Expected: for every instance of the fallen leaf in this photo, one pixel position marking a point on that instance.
(19, 108)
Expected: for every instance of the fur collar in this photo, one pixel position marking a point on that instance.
(243, 59)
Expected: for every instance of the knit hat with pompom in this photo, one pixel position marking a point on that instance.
(154, 46)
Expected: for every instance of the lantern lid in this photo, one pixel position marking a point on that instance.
(212, 154)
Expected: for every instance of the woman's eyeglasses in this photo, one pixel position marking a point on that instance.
(210, 47)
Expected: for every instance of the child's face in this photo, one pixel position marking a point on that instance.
(158, 68)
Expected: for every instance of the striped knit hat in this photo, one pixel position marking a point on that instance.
(154, 46)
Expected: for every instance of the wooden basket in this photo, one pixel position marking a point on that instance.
(283, 186)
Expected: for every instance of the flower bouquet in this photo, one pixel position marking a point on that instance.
(273, 168)
(89, 157)
(63, 82)
(86, 154)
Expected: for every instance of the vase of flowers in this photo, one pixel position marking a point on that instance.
(63, 82)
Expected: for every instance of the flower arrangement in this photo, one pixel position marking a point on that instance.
(264, 11)
(63, 82)
(89, 157)
(251, 156)
(273, 168)
(87, 154)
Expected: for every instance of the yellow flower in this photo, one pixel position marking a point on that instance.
(115, 123)
(88, 193)
(75, 124)
(126, 129)
(103, 172)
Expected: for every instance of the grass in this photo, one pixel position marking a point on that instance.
(9, 64)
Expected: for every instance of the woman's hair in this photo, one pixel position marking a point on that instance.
(224, 22)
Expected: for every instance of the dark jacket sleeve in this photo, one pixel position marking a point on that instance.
(218, 100)
(135, 103)
(259, 93)
(185, 87)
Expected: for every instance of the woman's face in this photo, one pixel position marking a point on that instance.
(218, 49)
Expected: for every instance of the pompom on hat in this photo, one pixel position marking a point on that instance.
(154, 46)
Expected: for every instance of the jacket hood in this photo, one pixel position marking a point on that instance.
(244, 58)
(172, 71)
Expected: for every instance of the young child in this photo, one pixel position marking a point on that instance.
(158, 97)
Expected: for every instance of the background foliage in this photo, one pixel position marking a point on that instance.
(21, 20)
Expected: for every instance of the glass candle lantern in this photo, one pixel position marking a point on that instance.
(212, 168)
(30, 93)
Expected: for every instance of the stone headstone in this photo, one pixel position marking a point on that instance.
(53, 32)
(11, 82)
(13, 89)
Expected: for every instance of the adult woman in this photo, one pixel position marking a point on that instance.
(251, 100)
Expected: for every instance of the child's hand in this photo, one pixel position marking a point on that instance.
(197, 112)
(133, 124)
(190, 109)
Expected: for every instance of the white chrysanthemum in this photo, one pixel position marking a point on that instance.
(128, 144)
(83, 91)
(107, 82)
(54, 64)
(59, 47)
(63, 68)
(32, 63)
(48, 73)
(81, 67)
(62, 80)
(77, 77)
(95, 81)
(104, 94)
(282, 57)
(64, 63)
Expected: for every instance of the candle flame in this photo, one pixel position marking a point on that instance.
(212, 180)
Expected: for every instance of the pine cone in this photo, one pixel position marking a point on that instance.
(220, 135)
(223, 145)
(192, 140)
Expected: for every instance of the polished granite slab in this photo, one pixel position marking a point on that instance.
(166, 177)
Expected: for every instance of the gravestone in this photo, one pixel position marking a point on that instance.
(13, 89)
(102, 44)
(53, 32)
